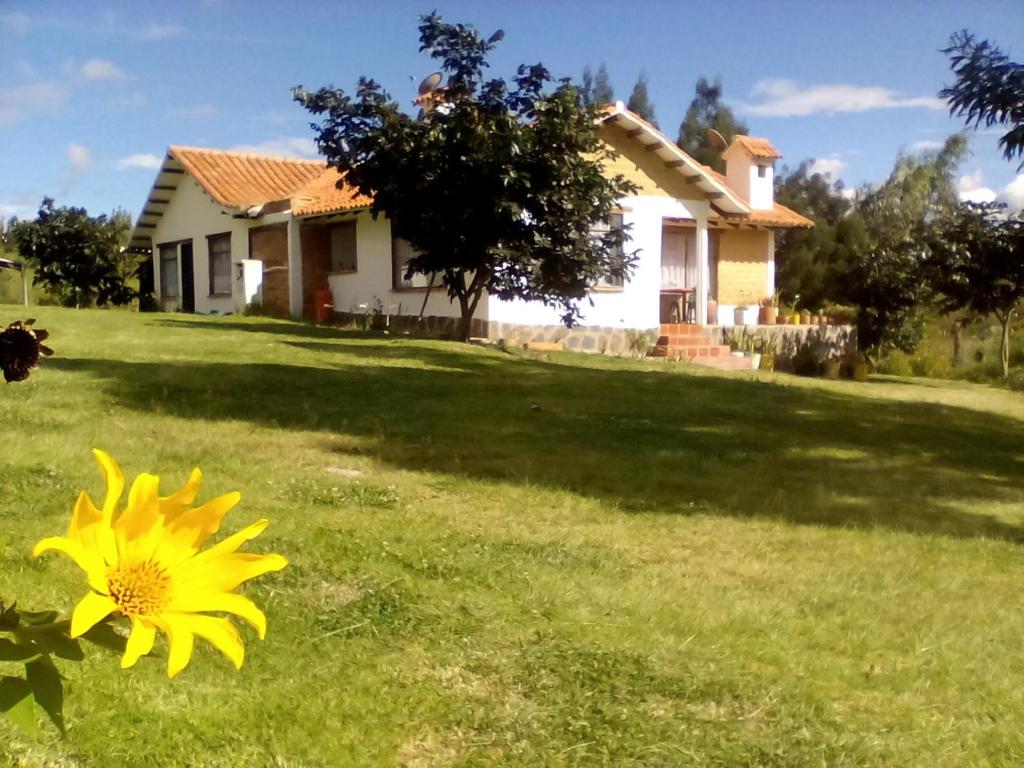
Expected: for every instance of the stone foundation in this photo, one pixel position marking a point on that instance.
(826, 342)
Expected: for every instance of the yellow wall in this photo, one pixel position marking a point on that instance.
(644, 168)
(742, 266)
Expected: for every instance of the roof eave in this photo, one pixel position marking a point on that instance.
(675, 158)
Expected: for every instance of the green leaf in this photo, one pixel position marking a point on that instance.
(104, 635)
(47, 689)
(16, 703)
(38, 617)
(55, 640)
(16, 651)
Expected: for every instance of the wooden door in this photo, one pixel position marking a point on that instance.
(270, 245)
(188, 278)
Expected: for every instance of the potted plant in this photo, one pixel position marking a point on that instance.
(768, 346)
(712, 311)
(769, 311)
(805, 317)
(831, 368)
(738, 315)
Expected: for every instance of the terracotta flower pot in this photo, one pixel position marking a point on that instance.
(771, 315)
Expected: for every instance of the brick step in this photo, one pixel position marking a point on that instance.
(681, 329)
(689, 352)
(688, 340)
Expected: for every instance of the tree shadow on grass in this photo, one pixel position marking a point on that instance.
(641, 440)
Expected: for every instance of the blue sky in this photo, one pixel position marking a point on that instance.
(91, 93)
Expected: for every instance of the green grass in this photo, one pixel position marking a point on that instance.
(554, 560)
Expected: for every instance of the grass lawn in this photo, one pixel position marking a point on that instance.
(537, 561)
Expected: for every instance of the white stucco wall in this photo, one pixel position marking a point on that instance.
(372, 278)
(192, 214)
(637, 305)
(762, 192)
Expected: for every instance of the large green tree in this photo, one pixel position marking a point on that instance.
(79, 258)
(989, 89)
(812, 265)
(603, 92)
(887, 280)
(977, 259)
(498, 188)
(640, 101)
(707, 111)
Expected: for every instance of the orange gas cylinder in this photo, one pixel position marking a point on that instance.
(323, 304)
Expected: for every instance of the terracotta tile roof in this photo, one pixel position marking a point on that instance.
(779, 216)
(757, 147)
(238, 179)
(323, 195)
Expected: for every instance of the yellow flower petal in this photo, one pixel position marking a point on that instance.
(190, 530)
(90, 529)
(93, 568)
(115, 482)
(225, 602)
(221, 633)
(140, 526)
(140, 642)
(179, 638)
(92, 609)
(224, 573)
(173, 505)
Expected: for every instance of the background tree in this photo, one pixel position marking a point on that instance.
(707, 111)
(813, 264)
(497, 189)
(640, 102)
(977, 260)
(587, 86)
(989, 89)
(603, 92)
(76, 257)
(887, 280)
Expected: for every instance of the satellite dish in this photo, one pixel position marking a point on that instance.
(715, 139)
(430, 82)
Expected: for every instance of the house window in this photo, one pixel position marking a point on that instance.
(343, 248)
(401, 252)
(614, 222)
(220, 264)
(169, 271)
(761, 171)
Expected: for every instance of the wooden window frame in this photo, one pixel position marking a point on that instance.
(396, 286)
(209, 264)
(177, 268)
(330, 235)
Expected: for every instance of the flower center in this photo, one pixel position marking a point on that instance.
(138, 588)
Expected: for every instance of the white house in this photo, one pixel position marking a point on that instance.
(229, 229)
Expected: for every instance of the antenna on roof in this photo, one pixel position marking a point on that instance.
(430, 82)
(715, 139)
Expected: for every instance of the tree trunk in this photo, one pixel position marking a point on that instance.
(1004, 346)
(957, 332)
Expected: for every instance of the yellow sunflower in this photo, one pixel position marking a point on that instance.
(145, 563)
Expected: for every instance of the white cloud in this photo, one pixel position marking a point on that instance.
(286, 146)
(971, 189)
(153, 32)
(787, 98)
(139, 160)
(925, 145)
(98, 70)
(79, 162)
(849, 193)
(21, 101)
(14, 210)
(15, 23)
(195, 112)
(1013, 193)
(829, 167)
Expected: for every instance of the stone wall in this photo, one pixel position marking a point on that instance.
(825, 341)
